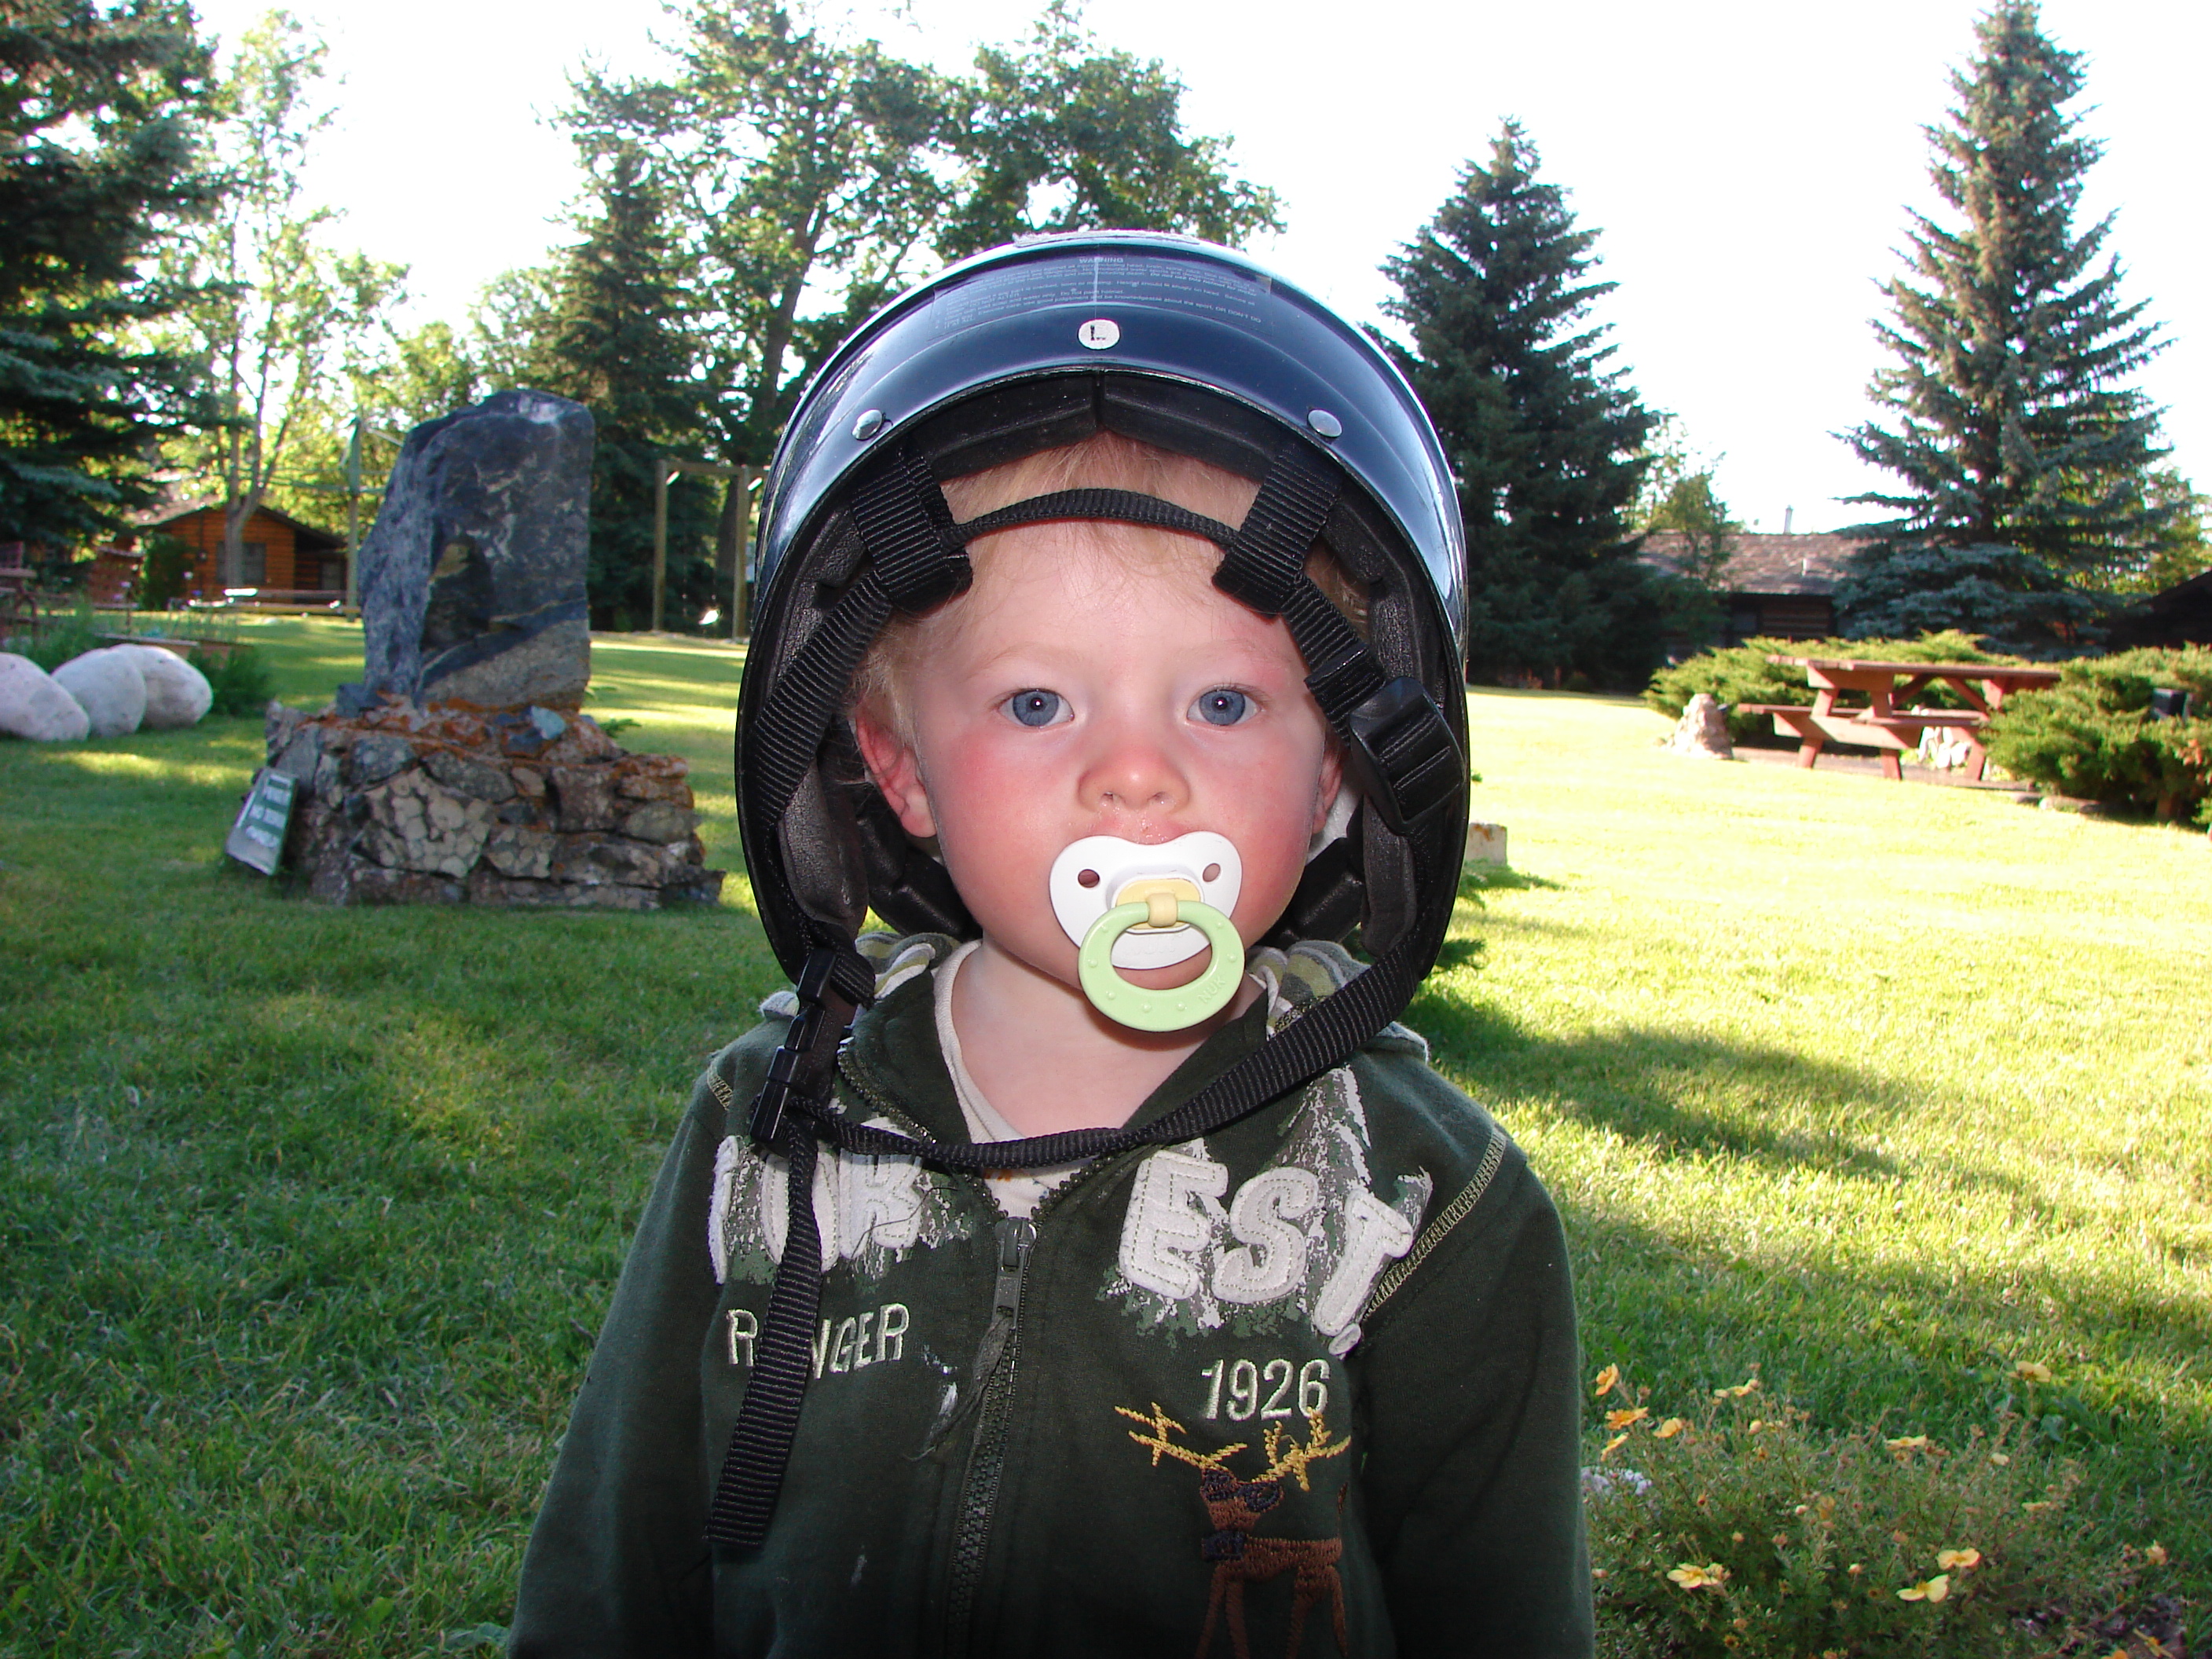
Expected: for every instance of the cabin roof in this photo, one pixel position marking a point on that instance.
(1778, 564)
(159, 517)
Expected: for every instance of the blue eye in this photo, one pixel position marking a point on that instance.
(1035, 707)
(1222, 707)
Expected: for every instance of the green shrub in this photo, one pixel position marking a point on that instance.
(161, 575)
(1738, 674)
(2090, 735)
(70, 635)
(240, 678)
(1738, 1531)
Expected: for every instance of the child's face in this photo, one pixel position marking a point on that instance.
(1083, 689)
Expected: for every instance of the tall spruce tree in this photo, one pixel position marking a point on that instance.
(102, 117)
(1544, 438)
(2006, 418)
(616, 342)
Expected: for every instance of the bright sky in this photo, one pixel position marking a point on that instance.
(1748, 164)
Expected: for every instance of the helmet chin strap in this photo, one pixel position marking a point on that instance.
(1399, 754)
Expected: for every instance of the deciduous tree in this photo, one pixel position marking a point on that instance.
(282, 316)
(811, 175)
(1065, 135)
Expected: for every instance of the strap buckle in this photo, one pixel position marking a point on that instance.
(800, 1069)
(1401, 752)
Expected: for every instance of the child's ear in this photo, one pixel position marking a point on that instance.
(1332, 782)
(896, 771)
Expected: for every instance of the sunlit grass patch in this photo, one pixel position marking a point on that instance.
(308, 1216)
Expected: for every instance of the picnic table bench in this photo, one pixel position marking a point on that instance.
(1885, 725)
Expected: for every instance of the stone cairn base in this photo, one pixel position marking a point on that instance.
(457, 805)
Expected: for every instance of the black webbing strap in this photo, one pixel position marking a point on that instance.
(785, 738)
(759, 1441)
(1323, 1037)
(901, 516)
(1263, 562)
(1122, 505)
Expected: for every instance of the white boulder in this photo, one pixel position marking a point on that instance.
(31, 706)
(113, 689)
(177, 693)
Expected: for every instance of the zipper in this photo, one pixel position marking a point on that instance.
(996, 1362)
(1433, 1235)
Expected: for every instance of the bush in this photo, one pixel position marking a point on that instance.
(241, 680)
(1738, 1531)
(1739, 674)
(161, 575)
(72, 635)
(2090, 735)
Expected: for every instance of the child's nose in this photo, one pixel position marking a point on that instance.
(1133, 772)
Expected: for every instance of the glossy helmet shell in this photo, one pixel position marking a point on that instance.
(1174, 342)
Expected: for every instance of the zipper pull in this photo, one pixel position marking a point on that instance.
(1015, 1235)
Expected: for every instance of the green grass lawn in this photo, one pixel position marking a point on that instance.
(309, 1215)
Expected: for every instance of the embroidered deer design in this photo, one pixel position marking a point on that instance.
(1234, 1506)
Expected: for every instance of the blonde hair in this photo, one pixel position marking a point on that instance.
(1105, 461)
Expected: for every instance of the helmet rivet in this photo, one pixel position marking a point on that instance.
(1099, 333)
(1325, 424)
(870, 423)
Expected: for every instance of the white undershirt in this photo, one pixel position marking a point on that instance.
(1016, 1192)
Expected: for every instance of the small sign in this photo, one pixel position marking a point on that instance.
(1100, 333)
(257, 840)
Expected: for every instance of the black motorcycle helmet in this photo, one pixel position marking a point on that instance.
(1192, 348)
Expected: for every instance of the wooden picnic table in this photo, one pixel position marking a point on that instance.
(1890, 721)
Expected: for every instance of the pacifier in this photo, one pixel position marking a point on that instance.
(1127, 906)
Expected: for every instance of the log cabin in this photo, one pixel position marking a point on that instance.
(279, 555)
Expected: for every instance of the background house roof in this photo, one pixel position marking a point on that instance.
(1768, 564)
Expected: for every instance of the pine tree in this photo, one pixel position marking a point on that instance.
(101, 126)
(2009, 423)
(616, 344)
(1545, 438)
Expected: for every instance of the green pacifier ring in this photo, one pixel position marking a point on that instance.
(1144, 1010)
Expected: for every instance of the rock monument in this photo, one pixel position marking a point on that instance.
(472, 578)
(461, 769)
(1703, 730)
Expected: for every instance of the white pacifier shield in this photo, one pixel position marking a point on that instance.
(1207, 861)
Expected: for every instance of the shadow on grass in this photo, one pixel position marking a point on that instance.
(1476, 879)
(1644, 1086)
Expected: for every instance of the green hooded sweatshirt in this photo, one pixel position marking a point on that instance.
(1306, 1386)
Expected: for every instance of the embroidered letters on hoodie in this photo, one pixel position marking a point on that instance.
(869, 1210)
(1307, 1236)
